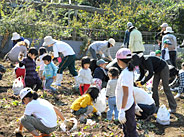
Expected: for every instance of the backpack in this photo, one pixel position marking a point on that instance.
(17, 85)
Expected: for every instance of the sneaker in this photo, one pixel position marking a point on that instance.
(172, 110)
(177, 95)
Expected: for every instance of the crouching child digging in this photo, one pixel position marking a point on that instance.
(83, 106)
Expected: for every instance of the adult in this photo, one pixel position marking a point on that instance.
(16, 38)
(127, 35)
(21, 47)
(68, 60)
(173, 46)
(39, 115)
(158, 68)
(160, 34)
(135, 42)
(99, 49)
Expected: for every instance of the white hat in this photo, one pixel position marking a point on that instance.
(16, 36)
(112, 41)
(27, 42)
(24, 92)
(168, 29)
(48, 40)
(129, 24)
(164, 25)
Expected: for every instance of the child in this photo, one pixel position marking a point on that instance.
(158, 53)
(100, 72)
(111, 86)
(83, 106)
(84, 76)
(39, 62)
(165, 51)
(124, 93)
(31, 79)
(40, 115)
(181, 81)
(145, 102)
(49, 73)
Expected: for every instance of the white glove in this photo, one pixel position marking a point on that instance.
(103, 56)
(138, 110)
(98, 113)
(121, 116)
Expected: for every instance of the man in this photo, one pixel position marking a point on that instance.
(159, 35)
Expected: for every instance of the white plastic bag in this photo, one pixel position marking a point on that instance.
(163, 116)
(17, 85)
(63, 126)
(100, 104)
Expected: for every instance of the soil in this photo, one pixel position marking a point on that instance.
(11, 109)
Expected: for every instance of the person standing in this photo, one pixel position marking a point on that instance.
(173, 47)
(68, 61)
(98, 49)
(135, 42)
(127, 35)
(160, 34)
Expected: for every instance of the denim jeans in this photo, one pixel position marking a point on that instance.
(48, 83)
(112, 107)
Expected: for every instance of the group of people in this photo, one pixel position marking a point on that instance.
(125, 95)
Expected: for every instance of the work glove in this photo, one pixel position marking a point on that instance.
(103, 56)
(138, 110)
(121, 116)
(138, 84)
(98, 113)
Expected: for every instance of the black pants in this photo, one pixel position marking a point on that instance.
(172, 55)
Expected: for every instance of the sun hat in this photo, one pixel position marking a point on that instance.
(15, 36)
(112, 41)
(157, 52)
(124, 53)
(27, 42)
(24, 92)
(129, 24)
(100, 61)
(168, 29)
(48, 40)
(167, 41)
(164, 25)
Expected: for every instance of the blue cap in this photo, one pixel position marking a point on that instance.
(101, 61)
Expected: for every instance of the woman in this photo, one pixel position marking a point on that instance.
(40, 115)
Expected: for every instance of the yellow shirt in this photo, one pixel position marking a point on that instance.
(83, 102)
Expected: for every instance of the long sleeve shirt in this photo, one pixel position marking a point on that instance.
(173, 40)
(83, 102)
(62, 47)
(85, 76)
(152, 64)
(126, 38)
(50, 70)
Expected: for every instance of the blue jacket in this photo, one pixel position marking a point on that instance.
(126, 38)
(50, 70)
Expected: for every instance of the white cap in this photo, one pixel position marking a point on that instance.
(129, 24)
(164, 25)
(168, 29)
(15, 36)
(112, 41)
(48, 40)
(27, 42)
(24, 92)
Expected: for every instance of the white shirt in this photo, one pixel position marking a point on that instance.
(44, 110)
(142, 97)
(125, 79)
(85, 76)
(41, 62)
(62, 47)
(166, 56)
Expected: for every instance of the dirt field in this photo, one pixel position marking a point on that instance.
(11, 109)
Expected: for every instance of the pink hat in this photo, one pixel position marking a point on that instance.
(123, 53)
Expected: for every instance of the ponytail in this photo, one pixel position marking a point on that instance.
(32, 95)
(35, 96)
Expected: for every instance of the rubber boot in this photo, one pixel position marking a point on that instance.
(59, 78)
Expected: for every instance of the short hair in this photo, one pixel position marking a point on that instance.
(113, 71)
(47, 57)
(33, 51)
(42, 50)
(85, 60)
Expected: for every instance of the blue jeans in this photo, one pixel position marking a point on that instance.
(48, 83)
(112, 107)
